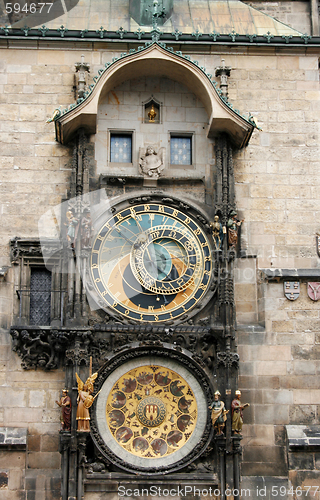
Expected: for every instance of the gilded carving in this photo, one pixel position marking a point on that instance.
(151, 411)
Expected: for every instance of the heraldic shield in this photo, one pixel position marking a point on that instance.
(314, 290)
(291, 289)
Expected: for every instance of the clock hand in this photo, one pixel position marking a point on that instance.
(123, 236)
(138, 224)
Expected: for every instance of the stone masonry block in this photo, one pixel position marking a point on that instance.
(44, 460)
(37, 399)
(301, 460)
(254, 469)
(303, 368)
(12, 459)
(13, 398)
(271, 414)
(274, 367)
(263, 454)
(21, 416)
(288, 62)
(303, 396)
(302, 414)
(50, 443)
(34, 442)
(279, 397)
(9, 112)
(258, 435)
(283, 326)
(298, 381)
(261, 191)
(16, 479)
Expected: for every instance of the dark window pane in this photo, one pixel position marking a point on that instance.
(40, 297)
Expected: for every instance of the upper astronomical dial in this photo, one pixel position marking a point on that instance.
(151, 262)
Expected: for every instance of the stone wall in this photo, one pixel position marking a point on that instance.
(277, 189)
(28, 403)
(35, 172)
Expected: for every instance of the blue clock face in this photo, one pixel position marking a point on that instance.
(151, 263)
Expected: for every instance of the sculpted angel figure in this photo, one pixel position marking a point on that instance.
(151, 163)
(85, 401)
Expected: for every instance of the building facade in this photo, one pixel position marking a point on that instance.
(159, 243)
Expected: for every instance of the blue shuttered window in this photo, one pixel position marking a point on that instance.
(121, 148)
(180, 151)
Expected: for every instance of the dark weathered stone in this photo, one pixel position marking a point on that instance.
(272, 382)
(274, 454)
(3, 480)
(302, 414)
(280, 435)
(30, 483)
(31, 495)
(55, 483)
(298, 381)
(50, 442)
(40, 460)
(307, 353)
(301, 460)
(263, 469)
(34, 442)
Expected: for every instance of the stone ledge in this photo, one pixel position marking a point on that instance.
(13, 438)
(279, 274)
(303, 437)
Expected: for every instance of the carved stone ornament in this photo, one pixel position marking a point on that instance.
(47, 347)
(314, 290)
(32, 249)
(151, 162)
(228, 359)
(50, 348)
(291, 289)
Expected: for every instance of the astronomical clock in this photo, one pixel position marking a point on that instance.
(151, 262)
(152, 268)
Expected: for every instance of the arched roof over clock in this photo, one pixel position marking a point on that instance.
(156, 60)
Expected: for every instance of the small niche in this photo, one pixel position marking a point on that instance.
(152, 111)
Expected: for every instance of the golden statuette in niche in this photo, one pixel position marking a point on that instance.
(152, 114)
(151, 411)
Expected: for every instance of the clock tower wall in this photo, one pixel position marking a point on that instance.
(178, 133)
